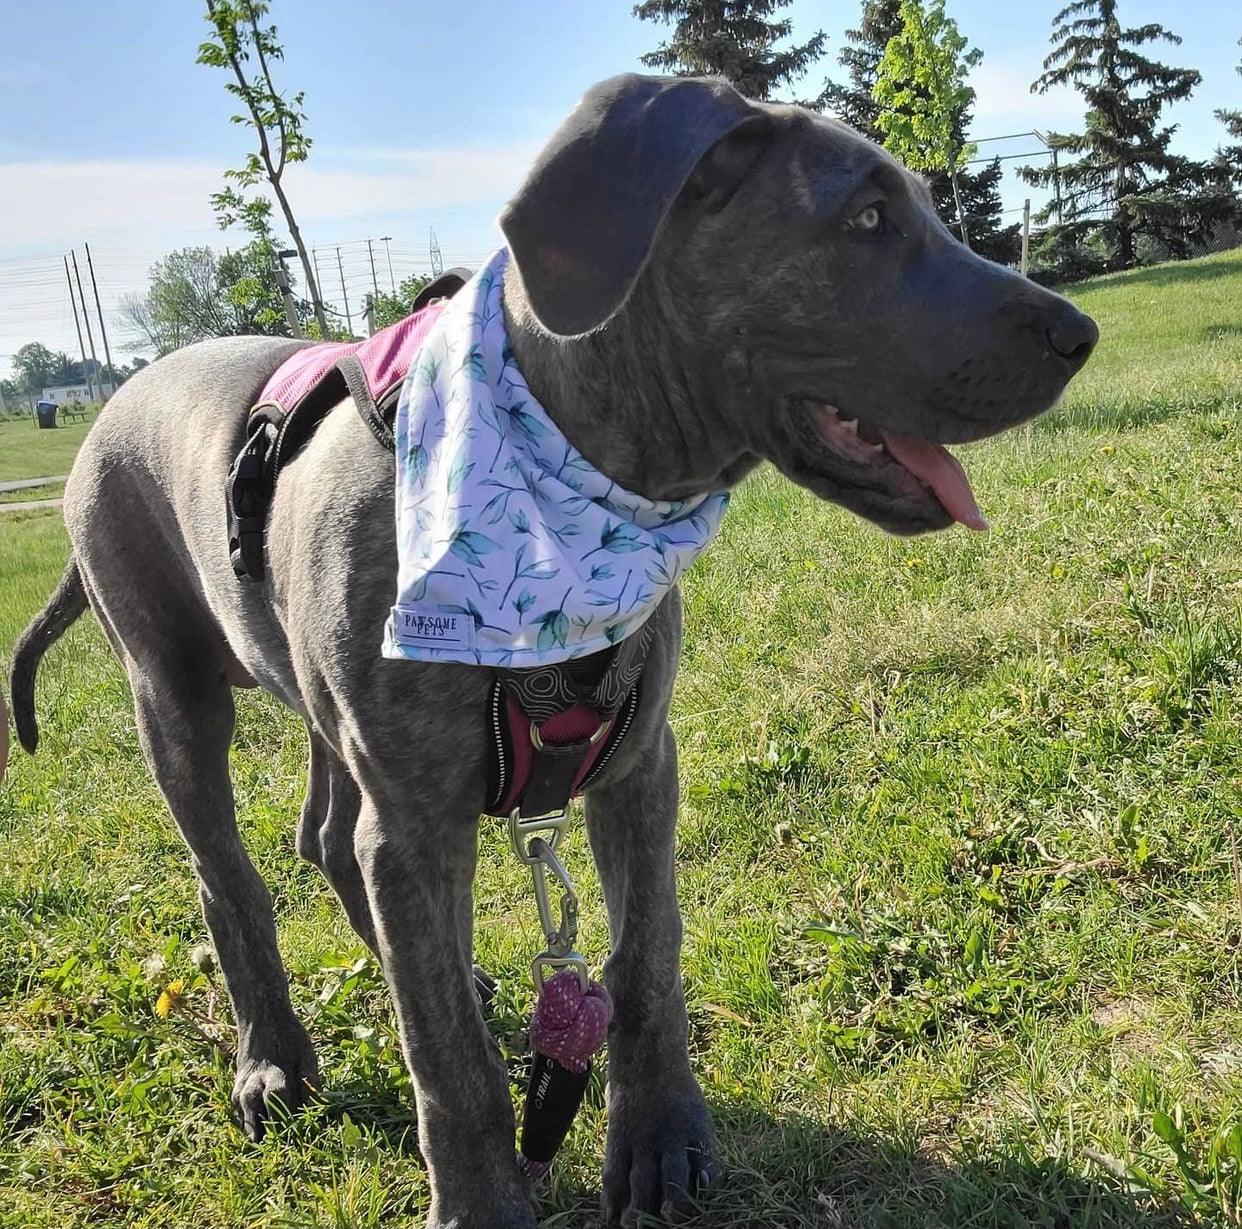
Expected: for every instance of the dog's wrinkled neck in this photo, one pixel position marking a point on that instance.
(621, 400)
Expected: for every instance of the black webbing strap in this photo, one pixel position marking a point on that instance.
(248, 492)
(274, 438)
(377, 414)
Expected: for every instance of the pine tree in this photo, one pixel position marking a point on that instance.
(733, 39)
(860, 57)
(1230, 157)
(853, 103)
(1125, 188)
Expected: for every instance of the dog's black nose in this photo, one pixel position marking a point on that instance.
(1073, 336)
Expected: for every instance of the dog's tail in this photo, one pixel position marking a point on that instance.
(63, 607)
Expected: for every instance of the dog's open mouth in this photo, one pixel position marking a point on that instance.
(932, 465)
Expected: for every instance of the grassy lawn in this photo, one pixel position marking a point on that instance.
(963, 903)
(53, 490)
(27, 452)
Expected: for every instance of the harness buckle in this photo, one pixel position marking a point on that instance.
(543, 965)
(537, 739)
(247, 494)
(552, 824)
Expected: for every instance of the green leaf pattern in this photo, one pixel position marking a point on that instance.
(500, 518)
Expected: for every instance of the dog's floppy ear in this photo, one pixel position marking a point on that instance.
(581, 227)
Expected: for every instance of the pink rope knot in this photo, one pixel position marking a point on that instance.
(570, 1023)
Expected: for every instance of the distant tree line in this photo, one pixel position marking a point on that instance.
(1121, 197)
(35, 367)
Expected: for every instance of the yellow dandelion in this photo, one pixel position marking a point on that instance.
(914, 561)
(169, 998)
(1107, 449)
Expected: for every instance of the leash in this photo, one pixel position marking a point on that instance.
(555, 727)
(572, 1012)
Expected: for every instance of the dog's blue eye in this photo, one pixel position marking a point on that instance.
(870, 219)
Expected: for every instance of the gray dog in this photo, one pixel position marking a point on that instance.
(703, 283)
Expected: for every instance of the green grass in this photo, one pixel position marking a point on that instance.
(27, 452)
(963, 932)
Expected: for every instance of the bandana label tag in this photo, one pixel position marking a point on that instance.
(430, 627)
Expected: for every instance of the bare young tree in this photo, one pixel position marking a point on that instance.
(238, 33)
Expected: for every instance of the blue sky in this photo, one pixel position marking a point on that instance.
(423, 115)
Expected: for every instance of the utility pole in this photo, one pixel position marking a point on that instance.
(286, 294)
(1056, 170)
(437, 261)
(103, 332)
(318, 279)
(77, 273)
(368, 313)
(374, 279)
(1026, 234)
(349, 320)
(392, 281)
(77, 325)
(1056, 185)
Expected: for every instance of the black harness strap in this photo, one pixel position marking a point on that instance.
(377, 413)
(248, 493)
(274, 437)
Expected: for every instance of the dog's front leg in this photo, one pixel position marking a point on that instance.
(661, 1144)
(418, 885)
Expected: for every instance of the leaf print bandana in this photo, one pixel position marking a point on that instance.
(513, 550)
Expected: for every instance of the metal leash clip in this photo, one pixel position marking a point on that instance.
(540, 855)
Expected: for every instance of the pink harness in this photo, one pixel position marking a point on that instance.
(381, 361)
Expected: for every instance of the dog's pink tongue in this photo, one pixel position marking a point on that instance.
(935, 466)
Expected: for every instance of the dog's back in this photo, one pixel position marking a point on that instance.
(143, 551)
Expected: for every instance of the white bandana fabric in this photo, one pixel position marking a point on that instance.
(513, 550)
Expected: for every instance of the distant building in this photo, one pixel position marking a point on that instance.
(64, 394)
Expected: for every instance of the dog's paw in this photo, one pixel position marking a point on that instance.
(661, 1154)
(517, 1214)
(266, 1087)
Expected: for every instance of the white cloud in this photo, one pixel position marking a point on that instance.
(57, 203)
(133, 211)
(1004, 102)
(391, 181)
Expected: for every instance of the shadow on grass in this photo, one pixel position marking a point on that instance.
(794, 1173)
(1218, 332)
(1161, 276)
